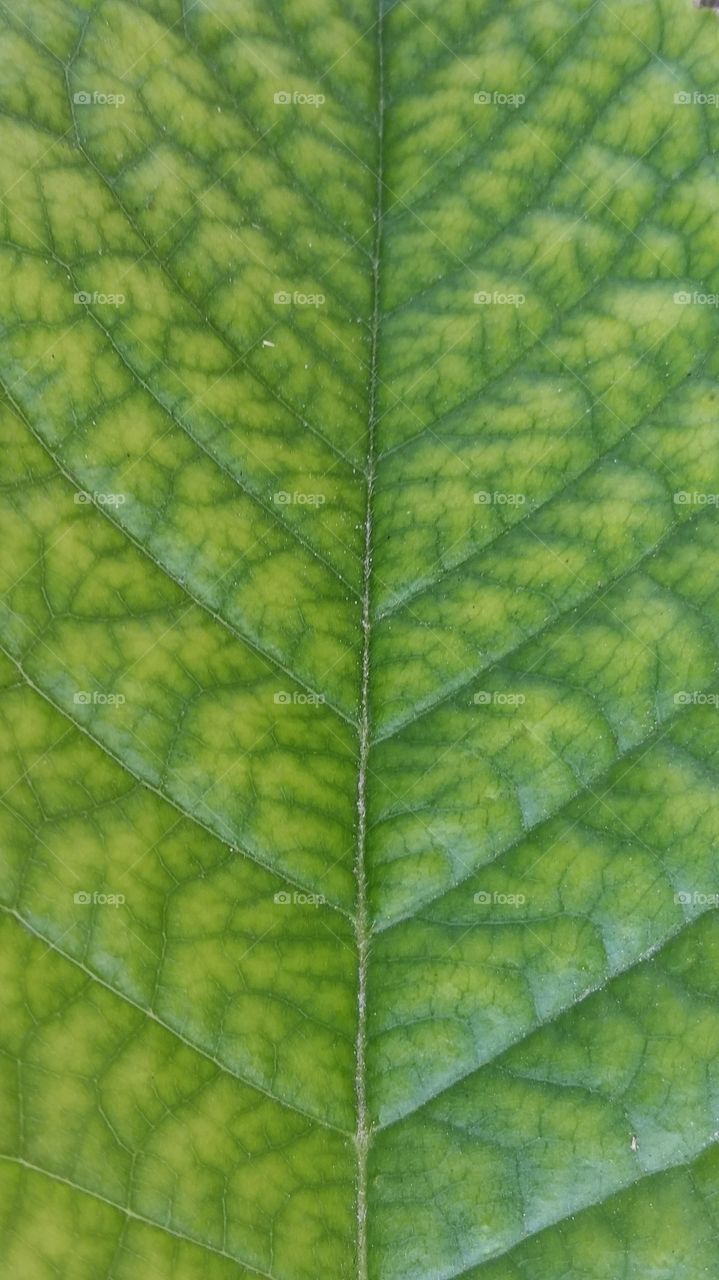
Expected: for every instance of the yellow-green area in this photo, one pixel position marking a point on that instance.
(359, 640)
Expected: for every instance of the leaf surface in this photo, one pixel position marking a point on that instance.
(359, 637)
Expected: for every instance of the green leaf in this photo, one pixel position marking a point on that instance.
(359, 631)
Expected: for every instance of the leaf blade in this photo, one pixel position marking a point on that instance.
(380, 664)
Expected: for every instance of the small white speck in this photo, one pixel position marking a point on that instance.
(635, 1142)
(266, 343)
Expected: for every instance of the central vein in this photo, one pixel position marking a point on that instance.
(362, 925)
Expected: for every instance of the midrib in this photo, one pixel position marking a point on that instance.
(362, 925)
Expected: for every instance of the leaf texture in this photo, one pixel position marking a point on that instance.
(359, 635)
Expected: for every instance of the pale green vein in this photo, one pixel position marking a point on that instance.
(463, 682)
(253, 642)
(136, 1217)
(641, 745)
(150, 1014)
(657, 947)
(233, 844)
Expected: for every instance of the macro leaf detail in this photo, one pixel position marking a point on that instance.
(358, 640)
